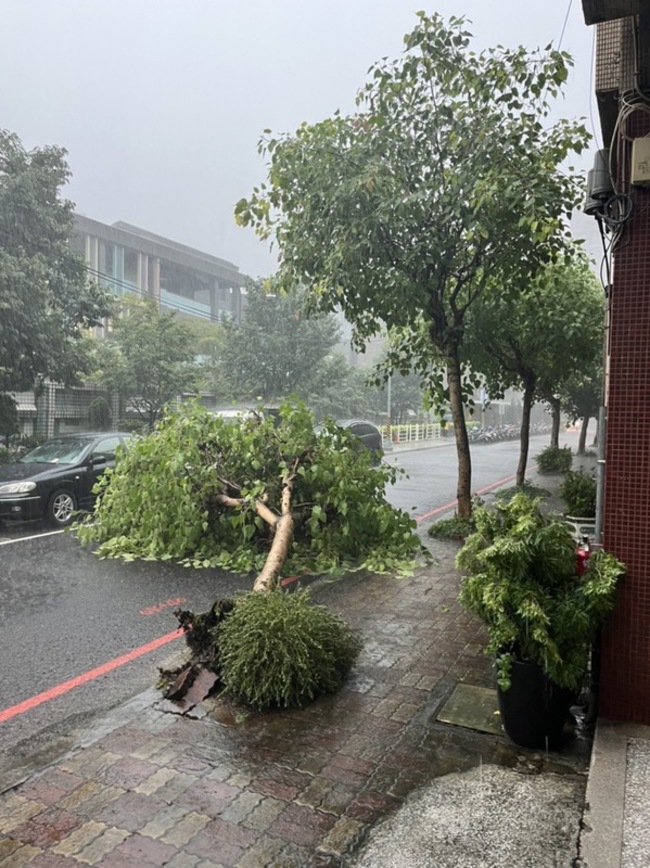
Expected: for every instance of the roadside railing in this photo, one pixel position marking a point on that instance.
(412, 433)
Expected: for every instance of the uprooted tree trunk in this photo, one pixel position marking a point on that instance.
(201, 630)
(282, 527)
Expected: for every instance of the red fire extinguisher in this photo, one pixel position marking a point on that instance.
(582, 556)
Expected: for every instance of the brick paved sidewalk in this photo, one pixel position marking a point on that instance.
(298, 788)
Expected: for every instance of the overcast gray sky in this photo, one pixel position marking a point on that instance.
(160, 103)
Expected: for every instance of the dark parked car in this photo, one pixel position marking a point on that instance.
(57, 478)
(367, 434)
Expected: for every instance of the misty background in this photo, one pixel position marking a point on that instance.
(160, 103)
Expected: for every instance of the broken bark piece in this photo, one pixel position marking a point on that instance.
(181, 683)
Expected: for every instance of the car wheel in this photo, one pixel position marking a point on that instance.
(60, 508)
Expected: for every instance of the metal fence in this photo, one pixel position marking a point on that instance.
(55, 409)
(413, 433)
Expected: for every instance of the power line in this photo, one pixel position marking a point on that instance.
(566, 19)
(136, 290)
(242, 327)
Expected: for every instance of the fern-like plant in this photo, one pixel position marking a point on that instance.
(280, 650)
(554, 460)
(521, 581)
(579, 493)
(455, 528)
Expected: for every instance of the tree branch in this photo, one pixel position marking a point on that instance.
(260, 507)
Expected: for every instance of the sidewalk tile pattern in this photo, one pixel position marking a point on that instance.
(294, 788)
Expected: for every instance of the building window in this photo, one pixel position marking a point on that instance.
(110, 259)
(131, 266)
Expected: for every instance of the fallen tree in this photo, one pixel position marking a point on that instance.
(263, 496)
(267, 496)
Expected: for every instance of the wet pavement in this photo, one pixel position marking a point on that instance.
(147, 787)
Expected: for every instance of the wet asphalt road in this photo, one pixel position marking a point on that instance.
(64, 612)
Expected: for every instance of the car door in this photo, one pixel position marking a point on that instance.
(100, 457)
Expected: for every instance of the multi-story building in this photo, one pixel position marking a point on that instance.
(131, 260)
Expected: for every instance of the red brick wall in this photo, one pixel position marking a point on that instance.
(625, 675)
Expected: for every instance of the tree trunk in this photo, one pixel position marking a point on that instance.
(282, 527)
(464, 483)
(277, 556)
(582, 439)
(524, 437)
(555, 427)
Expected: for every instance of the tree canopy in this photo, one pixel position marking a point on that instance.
(46, 301)
(208, 339)
(582, 397)
(149, 361)
(251, 496)
(444, 183)
(278, 349)
(540, 339)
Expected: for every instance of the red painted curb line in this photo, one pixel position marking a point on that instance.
(66, 686)
(454, 503)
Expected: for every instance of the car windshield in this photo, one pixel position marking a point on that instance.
(66, 450)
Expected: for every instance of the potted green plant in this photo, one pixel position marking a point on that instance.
(541, 618)
(578, 490)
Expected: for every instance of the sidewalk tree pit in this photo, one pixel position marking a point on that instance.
(267, 496)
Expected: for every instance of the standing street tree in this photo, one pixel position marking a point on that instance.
(209, 341)
(46, 301)
(278, 350)
(540, 339)
(149, 362)
(444, 183)
(582, 397)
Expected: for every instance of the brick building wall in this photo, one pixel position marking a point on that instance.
(625, 675)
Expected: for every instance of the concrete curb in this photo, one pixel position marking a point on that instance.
(601, 841)
(603, 837)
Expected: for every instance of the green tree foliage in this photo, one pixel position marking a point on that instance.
(444, 183)
(279, 650)
(206, 492)
(347, 395)
(46, 302)
(398, 388)
(537, 340)
(278, 350)
(150, 360)
(209, 341)
(99, 415)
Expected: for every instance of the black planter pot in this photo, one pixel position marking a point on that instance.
(534, 709)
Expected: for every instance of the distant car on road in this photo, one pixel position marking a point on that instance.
(367, 434)
(57, 478)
